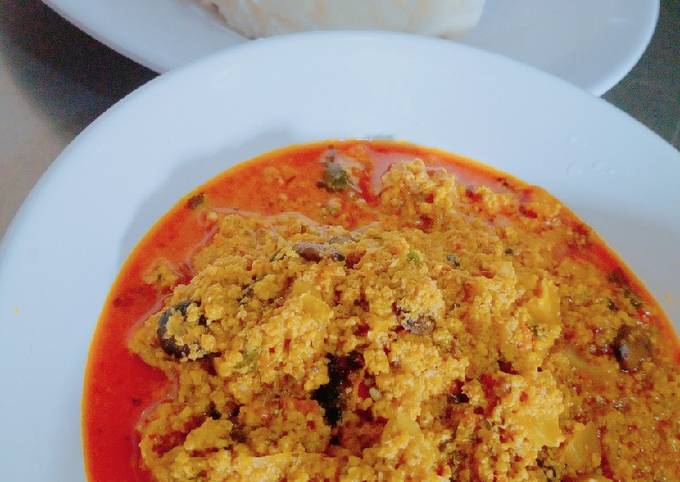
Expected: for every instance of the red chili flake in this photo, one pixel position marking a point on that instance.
(526, 194)
(167, 442)
(487, 380)
(362, 302)
(644, 315)
(361, 329)
(469, 291)
(456, 386)
(366, 192)
(352, 259)
(426, 223)
(529, 213)
(605, 464)
(488, 384)
(472, 195)
(506, 367)
(362, 390)
(503, 182)
(365, 415)
(581, 229)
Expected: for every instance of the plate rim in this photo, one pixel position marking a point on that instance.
(634, 55)
(155, 62)
(64, 160)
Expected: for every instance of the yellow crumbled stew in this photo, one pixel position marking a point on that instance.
(458, 335)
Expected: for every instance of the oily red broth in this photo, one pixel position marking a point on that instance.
(120, 387)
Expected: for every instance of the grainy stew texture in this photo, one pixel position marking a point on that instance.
(377, 311)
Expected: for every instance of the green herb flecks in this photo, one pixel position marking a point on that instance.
(334, 178)
(249, 359)
(278, 255)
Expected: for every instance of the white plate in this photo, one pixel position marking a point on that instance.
(72, 234)
(591, 43)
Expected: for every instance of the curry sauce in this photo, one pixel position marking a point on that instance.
(385, 312)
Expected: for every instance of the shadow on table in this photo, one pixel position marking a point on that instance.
(651, 91)
(69, 76)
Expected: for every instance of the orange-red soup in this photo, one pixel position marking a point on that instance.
(120, 388)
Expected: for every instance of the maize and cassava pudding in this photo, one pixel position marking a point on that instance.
(378, 311)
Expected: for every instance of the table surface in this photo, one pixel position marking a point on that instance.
(55, 80)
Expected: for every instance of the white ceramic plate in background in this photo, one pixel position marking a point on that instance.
(591, 43)
(68, 241)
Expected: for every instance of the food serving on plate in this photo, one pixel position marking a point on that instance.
(374, 310)
(262, 18)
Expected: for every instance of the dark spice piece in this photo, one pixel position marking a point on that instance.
(617, 276)
(329, 396)
(207, 363)
(194, 201)
(168, 343)
(315, 252)
(631, 347)
(611, 305)
(416, 324)
(212, 412)
(458, 398)
(421, 325)
(453, 260)
(632, 298)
